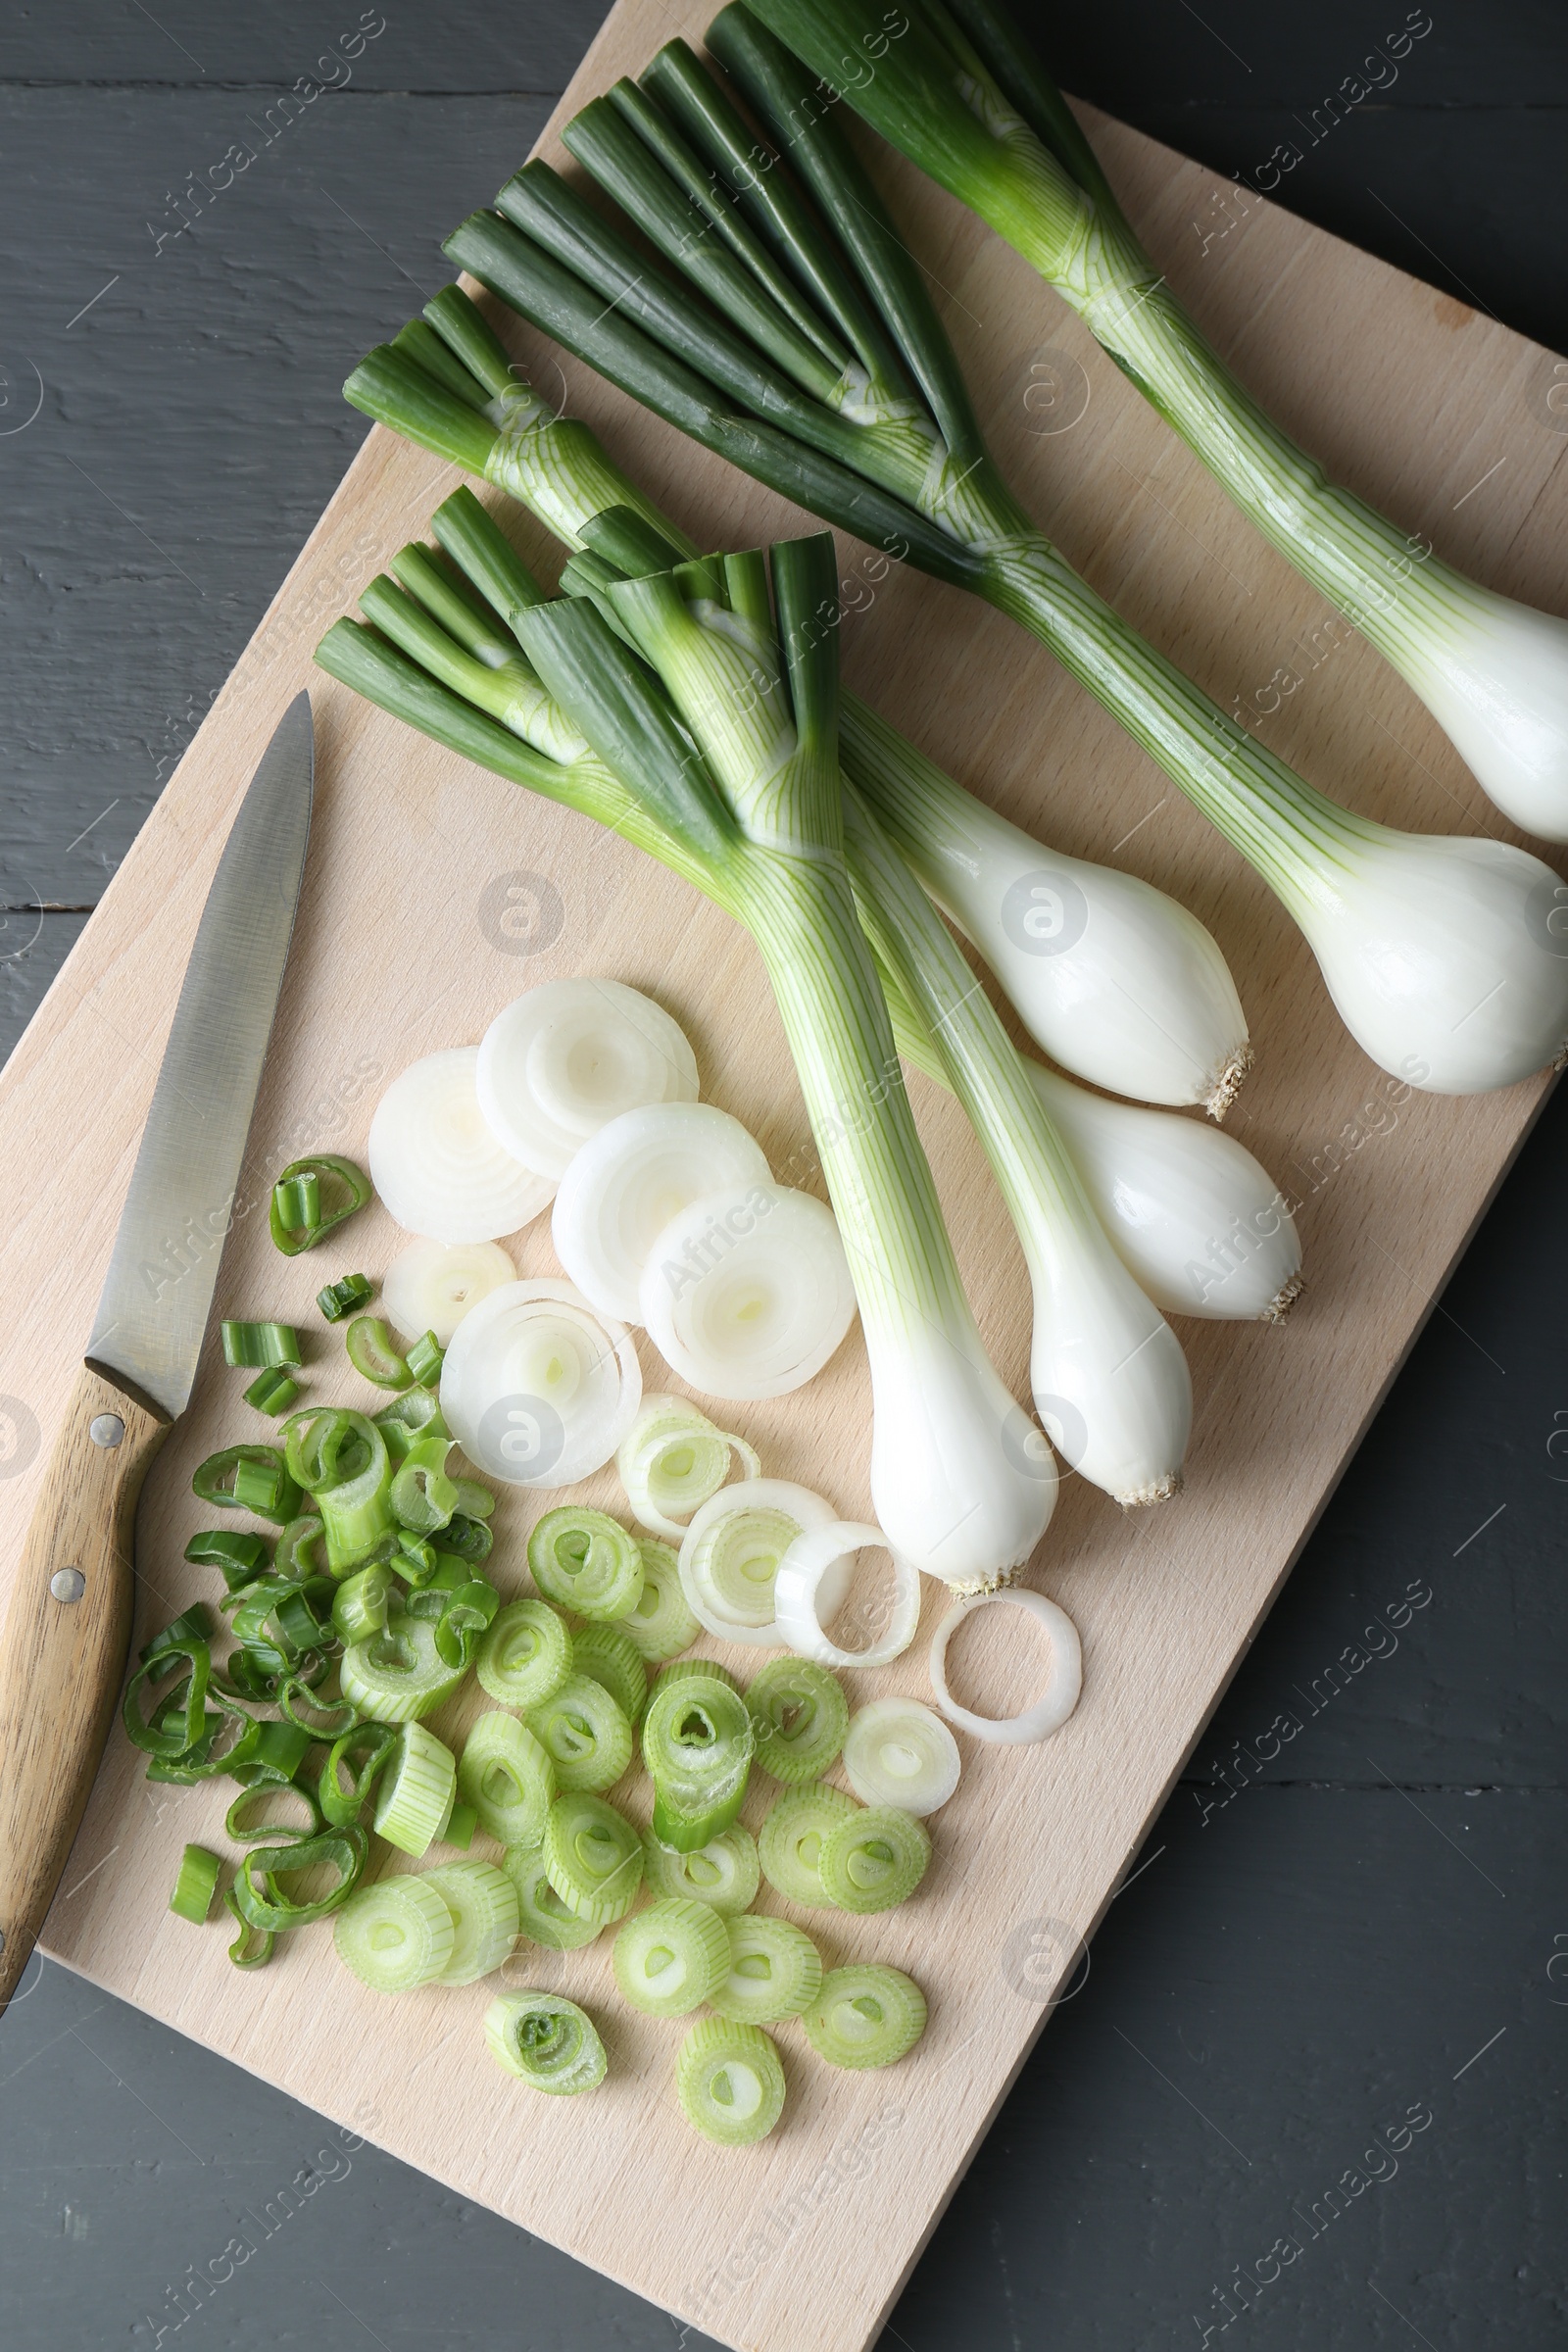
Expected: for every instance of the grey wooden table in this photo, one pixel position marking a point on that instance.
(1331, 2011)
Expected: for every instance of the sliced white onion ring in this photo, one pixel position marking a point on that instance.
(629, 1180)
(430, 1286)
(746, 1293)
(672, 1458)
(812, 1578)
(439, 1170)
(571, 1054)
(537, 1389)
(898, 1751)
(1063, 1680)
(729, 1557)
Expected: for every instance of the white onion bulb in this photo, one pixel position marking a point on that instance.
(537, 1389)
(430, 1286)
(1063, 1676)
(628, 1182)
(897, 1753)
(746, 1293)
(730, 1555)
(820, 1558)
(569, 1055)
(435, 1163)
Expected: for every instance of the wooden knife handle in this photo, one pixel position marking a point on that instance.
(64, 1648)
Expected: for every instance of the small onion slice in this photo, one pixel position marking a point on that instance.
(1064, 1682)
(629, 1180)
(730, 1555)
(812, 1578)
(430, 1286)
(439, 1170)
(673, 1458)
(899, 1752)
(746, 1293)
(571, 1054)
(536, 1388)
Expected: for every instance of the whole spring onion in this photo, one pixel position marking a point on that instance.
(1064, 1675)
(865, 2015)
(723, 1874)
(608, 1654)
(586, 1562)
(874, 1860)
(672, 1957)
(790, 1841)
(961, 94)
(414, 1799)
(545, 2040)
(799, 1715)
(396, 1934)
(584, 1732)
(437, 1166)
(430, 1286)
(592, 1857)
(661, 1624)
(673, 1458)
(484, 1904)
(525, 1655)
(1434, 950)
(569, 1055)
(897, 1753)
(775, 1971)
(312, 1198)
(697, 1745)
(542, 1916)
(730, 2082)
(630, 1179)
(507, 1778)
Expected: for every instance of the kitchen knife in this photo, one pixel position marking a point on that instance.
(68, 1630)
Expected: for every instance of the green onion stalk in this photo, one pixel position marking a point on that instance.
(962, 95)
(716, 747)
(1443, 956)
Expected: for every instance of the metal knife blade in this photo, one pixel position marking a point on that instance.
(153, 1312)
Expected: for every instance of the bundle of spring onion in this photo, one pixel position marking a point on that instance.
(806, 349)
(960, 91)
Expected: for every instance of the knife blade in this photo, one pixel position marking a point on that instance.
(67, 1629)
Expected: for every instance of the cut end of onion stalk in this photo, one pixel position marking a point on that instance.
(435, 1163)
(538, 1389)
(1284, 1298)
(571, 1055)
(1228, 1082)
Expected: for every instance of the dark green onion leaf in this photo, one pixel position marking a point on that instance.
(273, 1392)
(341, 1299)
(252, 1947)
(239, 1558)
(251, 1343)
(267, 1489)
(341, 1188)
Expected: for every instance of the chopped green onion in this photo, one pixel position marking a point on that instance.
(271, 1794)
(545, 2040)
(259, 1898)
(507, 1778)
(899, 1752)
(799, 1715)
(671, 1459)
(722, 1873)
(525, 1656)
(268, 1751)
(608, 1654)
(265, 1488)
(297, 1548)
(669, 1959)
(397, 1933)
(252, 1947)
(585, 1734)
(238, 1557)
(790, 1841)
(730, 2082)
(775, 1971)
(865, 2015)
(592, 1857)
(475, 1501)
(460, 1826)
(273, 1392)
(196, 1885)
(422, 1497)
(424, 1360)
(470, 1539)
(466, 1615)
(415, 1561)
(191, 1624)
(341, 1299)
(416, 1793)
(372, 1353)
(269, 1489)
(339, 1188)
(366, 1748)
(265, 1343)
(484, 1904)
(342, 1458)
(176, 1727)
(662, 1623)
(691, 1670)
(323, 1718)
(541, 1912)
(874, 1860)
(413, 1416)
(586, 1562)
(399, 1675)
(697, 1745)
(361, 1603)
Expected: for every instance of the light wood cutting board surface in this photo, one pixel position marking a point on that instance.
(423, 880)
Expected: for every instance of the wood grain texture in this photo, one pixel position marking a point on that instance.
(1412, 403)
(62, 1647)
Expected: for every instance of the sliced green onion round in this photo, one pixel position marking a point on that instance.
(238, 1559)
(585, 1734)
(525, 1655)
(507, 1778)
(484, 1904)
(799, 1715)
(812, 1581)
(460, 1826)
(416, 1790)
(673, 1459)
(897, 1753)
(1063, 1678)
(260, 1344)
(790, 1841)
(874, 1860)
(730, 2082)
(545, 2040)
(723, 1874)
(592, 1857)
(196, 1885)
(608, 1654)
(331, 1186)
(424, 1360)
(373, 1353)
(341, 1299)
(661, 1624)
(262, 1901)
(865, 2015)
(360, 1602)
(670, 1958)
(397, 1933)
(397, 1675)
(691, 1670)
(586, 1562)
(273, 1798)
(273, 1392)
(775, 1971)
(252, 1947)
(730, 1555)
(697, 1745)
(366, 1749)
(248, 1478)
(541, 1913)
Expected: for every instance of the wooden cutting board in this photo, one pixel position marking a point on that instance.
(434, 893)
